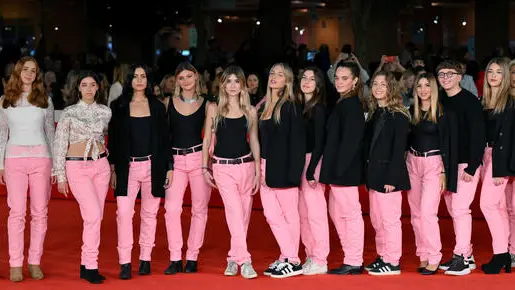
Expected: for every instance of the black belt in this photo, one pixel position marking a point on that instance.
(233, 161)
(186, 151)
(73, 158)
(424, 154)
(140, 159)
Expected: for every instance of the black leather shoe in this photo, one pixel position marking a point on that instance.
(346, 270)
(191, 267)
(174, 268)
(83, 273)
(496, 264)
(144, 268)
(92, 276)
(125, 271)
(426, 272)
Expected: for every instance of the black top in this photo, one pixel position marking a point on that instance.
(265, 128)
(284, 147)
(315, 137)
(342, 163)
(491, 125)
(186, 131)
(471, 128)
(140, 136)
(503, 149)
(424, 136)
(231, 138)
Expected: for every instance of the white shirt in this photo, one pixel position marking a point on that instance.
(114, 92)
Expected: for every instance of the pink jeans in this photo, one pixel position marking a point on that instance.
(187, 170)
(385, 215)
(234, 182)
(139, 178)
(424, 199)
(493, 206)
(89, 182)
(314, 226)
(21, 174)
(510, 205)
(458, 205)
(281, 209)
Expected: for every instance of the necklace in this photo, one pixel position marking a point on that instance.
(189, 101)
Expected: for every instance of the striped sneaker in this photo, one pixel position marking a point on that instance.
(378, 261)
(470, 260)
(287, 269)
(272, 267)
(385, 269)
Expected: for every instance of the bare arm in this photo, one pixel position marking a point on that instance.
(254, 141)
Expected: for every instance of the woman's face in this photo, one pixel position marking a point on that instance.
(277, 78)
(28, 73)
(139, 82)
(494, 75)
(424, 89)
(187, 80)
(169, 84)
(252, 82)
(49, 78)
(232, 86)
(380, 88)
(410, 82)
(157, 90)
(88, 88)
(308, 82)
(344, 81)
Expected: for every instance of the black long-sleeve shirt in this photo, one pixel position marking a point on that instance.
(471, 128)
(315, 137)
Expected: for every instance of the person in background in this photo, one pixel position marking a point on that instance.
(119, 75)
(467, 82)
(406, 87)
(254, 86)
(510, 197)
(167, 87)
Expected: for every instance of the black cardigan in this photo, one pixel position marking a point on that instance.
(503, 151)
(342, 163)
(120, 148)
(318, 121)
(385, 159)
(286, 148)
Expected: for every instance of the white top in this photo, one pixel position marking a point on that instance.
(28, 126)
(114, 92)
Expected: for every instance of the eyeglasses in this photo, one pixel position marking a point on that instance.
(446, 75)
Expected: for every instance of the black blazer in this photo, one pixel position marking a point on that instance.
(120, 147)
(503, 151)
(342, 163)
(286, 148)
(385, 160)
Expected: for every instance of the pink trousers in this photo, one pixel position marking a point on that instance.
(21, 174)
(385, 215)
(510, 205)
(424, 199)
(281, 209)
(314, 226)
(234, 182)
(458, 205)
(89, 182)
(187, 170)
(139, 178)
(493, 206)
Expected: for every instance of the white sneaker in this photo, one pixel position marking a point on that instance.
(307, 264)
(247, 271)
(271, 268)
(232, 269)
(286, 269)
(315, 269)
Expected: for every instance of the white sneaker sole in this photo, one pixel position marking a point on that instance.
(230, 274)
(295, 273)
(456, 273)
(250, 276)
(320, 272)
(391, 273)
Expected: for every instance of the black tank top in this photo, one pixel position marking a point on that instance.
(140, 136)
(425, 136)
(265, 127)
(186, 131)
(231, 138)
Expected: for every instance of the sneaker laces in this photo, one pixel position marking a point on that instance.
(275, 264)
(282, 266)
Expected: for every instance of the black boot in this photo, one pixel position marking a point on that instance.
(346, 270)
(144, 268)
(174, 268)
(498, 262)
(92, 276)
(83, 273)
(126, 271)
(191, 267)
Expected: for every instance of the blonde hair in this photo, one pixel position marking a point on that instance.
(501, 99)
(404, 78)
(119, 73)
(223, 100)
(285, 95)
(435, 109)
(392, 96)
(189, 67)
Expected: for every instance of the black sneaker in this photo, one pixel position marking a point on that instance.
(378, 261)
(458, 267)
(271, 268)
(287, 269)
(471, 261)
(385, 269)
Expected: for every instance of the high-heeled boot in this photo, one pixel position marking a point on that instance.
(498, 262)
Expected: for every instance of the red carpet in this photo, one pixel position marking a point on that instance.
(62, 257)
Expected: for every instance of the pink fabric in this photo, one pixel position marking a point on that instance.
(493, 206)
(21, 174)
(89, 182)
(424, 199)
(187, 170)
(458, 205)
(385, 213)
(510, 205)
(234, 182)
(281, 209)
(139, 178)
(314, 226)
(345, 211)
(16, 151)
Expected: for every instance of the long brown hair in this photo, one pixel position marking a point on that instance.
(14, 88)
(392, 96)
(435, 110)
(319, 93)
(501, 99)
